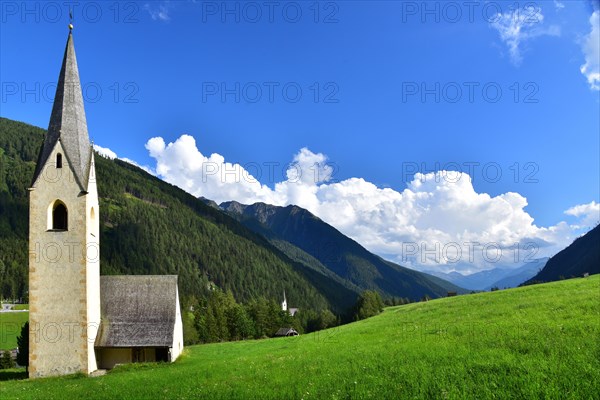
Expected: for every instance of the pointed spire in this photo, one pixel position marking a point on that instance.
(67, 121)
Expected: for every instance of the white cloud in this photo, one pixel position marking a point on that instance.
(108, 153)
(591, 51)
(588, 214)
(519, 27)
(559, 5)
(159, 12)
(105, 152)
(436, 217)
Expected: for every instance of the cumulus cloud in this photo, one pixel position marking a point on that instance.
(588, 214)
(591, 51)
(108, 153)
(182, 164)
(105, 152)
(439, 221)
(518, 27)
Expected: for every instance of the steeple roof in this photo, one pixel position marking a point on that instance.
(67, 121)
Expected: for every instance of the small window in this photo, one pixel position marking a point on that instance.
(59, 217)
(59, 160)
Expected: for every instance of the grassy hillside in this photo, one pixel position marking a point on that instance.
(526, 343)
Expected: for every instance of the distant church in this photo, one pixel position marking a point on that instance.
(284, 306)
(80, 321)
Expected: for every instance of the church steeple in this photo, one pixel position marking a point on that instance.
(64, 215)
(67, 122)
(284, 303)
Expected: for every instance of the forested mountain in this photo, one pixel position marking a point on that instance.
(151, 227)
(580, 257)
(301, 234)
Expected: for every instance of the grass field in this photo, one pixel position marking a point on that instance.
(10, 328)
(533, 342)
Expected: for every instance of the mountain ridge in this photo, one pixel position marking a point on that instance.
(580, 257)
(340, 254)
(149, 226)
(501, 277)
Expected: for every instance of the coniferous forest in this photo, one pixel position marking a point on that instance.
(231, 279)
(147, 227)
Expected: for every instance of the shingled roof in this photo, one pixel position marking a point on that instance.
(67, 122)
(286, 332)
(137, 311)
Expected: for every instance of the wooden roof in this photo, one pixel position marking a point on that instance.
(137, 311)
(286, 332)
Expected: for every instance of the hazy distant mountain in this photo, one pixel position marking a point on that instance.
(501, 277)
(297, 229)
(520, 275)
(583, 255)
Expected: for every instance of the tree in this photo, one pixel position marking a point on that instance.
(369, 304)
(190, 334)
(23, 345)
(239, 323)
(327, 319)
(6, 360)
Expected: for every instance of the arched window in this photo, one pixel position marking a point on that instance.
(60, 220)
(92, 214)
(59, 160)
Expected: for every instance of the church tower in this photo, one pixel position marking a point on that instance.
(64, 252)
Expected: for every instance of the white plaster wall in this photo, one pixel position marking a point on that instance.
(93, 265)
(177, 347)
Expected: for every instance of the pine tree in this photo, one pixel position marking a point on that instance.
(23, 345)
(369, 304)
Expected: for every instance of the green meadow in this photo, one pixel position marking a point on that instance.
(10, 328)
(535, 342)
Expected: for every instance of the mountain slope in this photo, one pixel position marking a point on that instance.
(151, 227)
(339, 254)
(581, 256)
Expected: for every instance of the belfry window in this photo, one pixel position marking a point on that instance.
(59, 160)
(60, 220)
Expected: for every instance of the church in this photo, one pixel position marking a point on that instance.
(80, 321)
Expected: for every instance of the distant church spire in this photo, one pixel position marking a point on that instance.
(67, 121)
(284, 303)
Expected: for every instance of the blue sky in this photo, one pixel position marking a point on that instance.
(387, 89)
